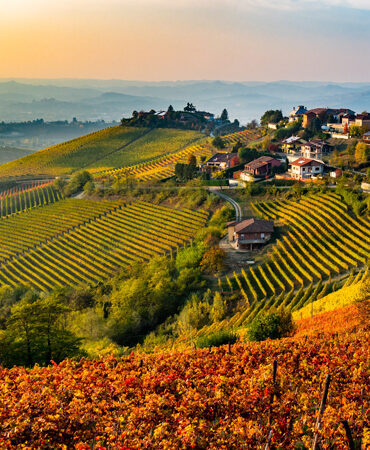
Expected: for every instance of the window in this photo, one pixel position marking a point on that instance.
(262, 235)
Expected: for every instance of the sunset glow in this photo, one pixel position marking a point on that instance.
(163, 40)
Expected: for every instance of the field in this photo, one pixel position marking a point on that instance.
(164, 166)
(80, 241)
(200, 399)
(320, 243)
(99, 150)
(26, 197)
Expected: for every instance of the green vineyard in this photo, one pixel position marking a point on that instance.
(321, 243)
(15, 200)
(78, 241)
(102, 150)
(164, 166)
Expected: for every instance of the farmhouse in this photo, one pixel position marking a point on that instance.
(220, 160)
(323, 114)
(250, 234)
(314, 149)
(303, 168)
(262, 166)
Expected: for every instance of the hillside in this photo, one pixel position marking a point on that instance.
(81, 241)
(199, 398)
(106, 149)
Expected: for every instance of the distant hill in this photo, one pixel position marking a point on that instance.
(11, 153)
(106, 149)
(112, 99)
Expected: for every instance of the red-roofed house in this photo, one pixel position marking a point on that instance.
(303, 168)
(250, 234)
(262, 166)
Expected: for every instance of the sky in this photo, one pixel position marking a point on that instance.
(155, 40)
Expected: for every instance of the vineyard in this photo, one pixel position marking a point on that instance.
(320, 242)
(76, 241)
(252, 395)
(111, 147)
(164, 166)
(26, 197)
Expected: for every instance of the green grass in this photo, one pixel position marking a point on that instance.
(109, 148)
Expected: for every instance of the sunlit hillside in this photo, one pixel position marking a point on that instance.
(106, 149)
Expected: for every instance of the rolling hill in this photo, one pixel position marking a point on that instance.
(101, 150)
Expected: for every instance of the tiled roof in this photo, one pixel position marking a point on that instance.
(254, 226)
(303, 161)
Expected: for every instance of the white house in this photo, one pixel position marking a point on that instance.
(303, 168)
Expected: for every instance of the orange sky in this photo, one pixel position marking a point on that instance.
(179, 39)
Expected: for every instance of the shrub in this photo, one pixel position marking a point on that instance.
(217, 339)
(273, 325)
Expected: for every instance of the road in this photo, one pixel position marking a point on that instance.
(238, 210)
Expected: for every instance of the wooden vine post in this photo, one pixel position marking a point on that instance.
(321, 411)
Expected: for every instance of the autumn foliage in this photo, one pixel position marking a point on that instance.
(194, 399)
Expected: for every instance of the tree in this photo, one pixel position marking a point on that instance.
(355, 131)
(273, 325)
(345, 128)
(252, 125)
(89, 187)
(247, 154)
(192, 160)
(368, 175)
(218, 142)
(213, 260)
(236, 123)
(315, 125)
(135, 114)
(224, 115)
(271, 116)
(60, 184)
(170, 109)
(361, 153)
(35, 333)
(189, 107)
(219, 308)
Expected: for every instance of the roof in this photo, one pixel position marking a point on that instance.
(259, 162)
(363, 116)
(304, 161)
(367, 133)
(297, 111)
(253, 226)
(291, 139)
(221, 157)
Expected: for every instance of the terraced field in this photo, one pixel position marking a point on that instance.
(101, 150)
(164, 166)
(322, 242)
(78, 241)
(21, 198)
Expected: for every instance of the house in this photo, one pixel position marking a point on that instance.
(297, 113)
(362, 120)
(262, 166)
(292, 144)
(337, 173)
(314, 149)
(272, 126)
(206, 115)
(250, 234)
(366, 137)
(303, 168)
(323, 114)
(220, 160)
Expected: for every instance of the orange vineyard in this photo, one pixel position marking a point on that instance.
(198, 399)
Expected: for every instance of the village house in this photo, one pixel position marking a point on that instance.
(362, 120)
(323, 114)
(292, 144)
(315, 149)
(303, 168)
(220, 161)
(297, 113)
(366, 137)
(250, 234)
(261, 167)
